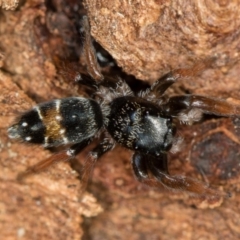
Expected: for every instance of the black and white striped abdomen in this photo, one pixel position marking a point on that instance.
(68, 120)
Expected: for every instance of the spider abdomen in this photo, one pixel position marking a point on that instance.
(69, 120)
(139, 125)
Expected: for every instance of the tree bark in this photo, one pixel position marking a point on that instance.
(147, 39)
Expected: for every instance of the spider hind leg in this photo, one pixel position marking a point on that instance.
(65, 155)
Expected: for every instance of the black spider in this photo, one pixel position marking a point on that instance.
(142, 122)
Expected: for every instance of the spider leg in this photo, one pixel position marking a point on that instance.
(93, 68)
(181, 183)
(157, 165)
(89, 53)
(70, 70)
(106, 145)
(190, 107)
(162, 84)
(140, 167)
(61, 156)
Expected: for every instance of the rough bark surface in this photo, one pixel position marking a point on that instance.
(46, 205)
(9, 4)
(146, 38)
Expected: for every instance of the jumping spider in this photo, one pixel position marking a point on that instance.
(143, 123)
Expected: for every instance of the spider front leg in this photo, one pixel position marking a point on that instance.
(141, 169)
(157, 166)
(189, 108)
(58, 157)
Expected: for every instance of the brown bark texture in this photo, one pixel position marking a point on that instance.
(147, 39)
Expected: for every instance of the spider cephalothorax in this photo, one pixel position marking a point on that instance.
(142, 122)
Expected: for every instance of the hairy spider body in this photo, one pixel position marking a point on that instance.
(142, 122)
(140, 125)
(61, 121)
